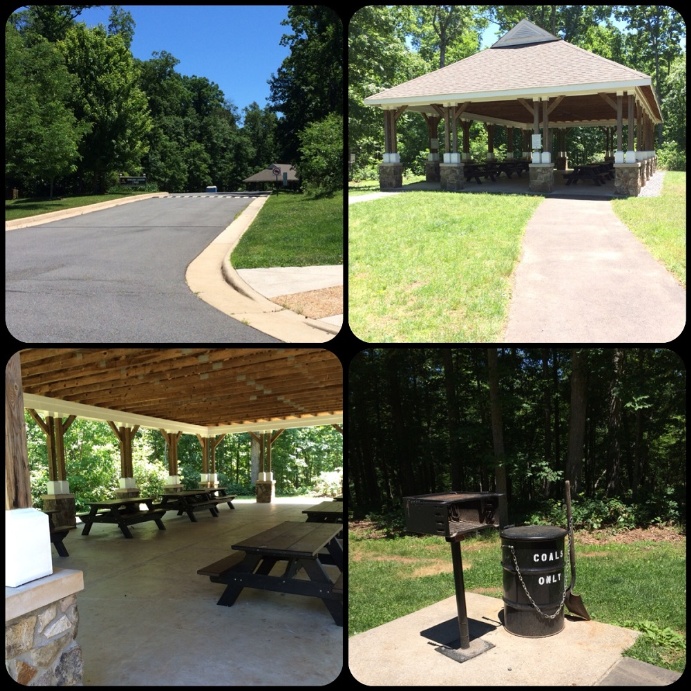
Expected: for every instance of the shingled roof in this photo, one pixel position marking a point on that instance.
(527, 62)
(267, 175)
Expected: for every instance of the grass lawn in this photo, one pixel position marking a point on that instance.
(635, 582)
(358, 187)
(433, 266)
(23, 208)
(660, 222)
(292, 230)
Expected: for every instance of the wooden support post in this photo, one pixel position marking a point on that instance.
(17, 478)
(630, 112)
(54, 428)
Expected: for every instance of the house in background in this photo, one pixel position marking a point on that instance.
(276, 176)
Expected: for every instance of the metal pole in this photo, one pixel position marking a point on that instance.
(460, 594)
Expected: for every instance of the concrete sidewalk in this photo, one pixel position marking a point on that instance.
(584, 277)
(404, 652)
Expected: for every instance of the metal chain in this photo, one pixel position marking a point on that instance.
(532, 602)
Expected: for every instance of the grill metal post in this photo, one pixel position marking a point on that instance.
(460, 594)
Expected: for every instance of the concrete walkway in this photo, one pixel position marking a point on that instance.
(584, 277)
(404, 652)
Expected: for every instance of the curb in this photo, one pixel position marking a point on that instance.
(211, 272)
(77, 211)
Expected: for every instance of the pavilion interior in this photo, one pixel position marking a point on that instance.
(145, 616)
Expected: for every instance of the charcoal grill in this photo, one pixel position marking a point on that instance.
(454, 516)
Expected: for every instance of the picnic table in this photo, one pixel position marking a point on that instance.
(191, 500)
(58, 533)
(123, 513)
(303, 546)
(326, 512)
(599, 173)
(479, 170)
(511, 166)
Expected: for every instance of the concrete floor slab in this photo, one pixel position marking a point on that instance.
(147, 619)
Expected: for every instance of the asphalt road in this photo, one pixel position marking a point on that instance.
(118, 276)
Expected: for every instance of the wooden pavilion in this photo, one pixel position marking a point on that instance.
(208, 392)
(534, 84)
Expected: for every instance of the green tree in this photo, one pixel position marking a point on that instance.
(443, 34)
(259, 127)
(108, 98)
(122, 23)
(610, 420)
(52, 22)
(168, 100)
(308, 85)
(378, 58)
(321, 156)
(42, 134)
(654, 33)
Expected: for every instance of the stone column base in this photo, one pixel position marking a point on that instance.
(451, 177)
(627, 179)
(541, 177)
(64, 504)
(432, 171)
(390, 176)
(127, 492)
(265, 491)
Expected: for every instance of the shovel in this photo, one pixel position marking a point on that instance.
(573, 602)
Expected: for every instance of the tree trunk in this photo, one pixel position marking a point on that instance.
(546, 415)
(497, 435)
(614, 423)
(577, 414)
(457, 475)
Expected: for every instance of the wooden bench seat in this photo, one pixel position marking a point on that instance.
(225, 499)
(218, 568)
(338, 586)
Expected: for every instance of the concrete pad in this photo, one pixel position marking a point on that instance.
(286, 280)
(630, 672)
(403, 652)
(146, 618)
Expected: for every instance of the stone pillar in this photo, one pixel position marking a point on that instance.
(265, 490)
(390, 173)
(627, 179)
(451, 173)
(432, 168)
(65, 507)
(541, 177)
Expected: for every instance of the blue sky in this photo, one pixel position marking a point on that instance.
(236, 47)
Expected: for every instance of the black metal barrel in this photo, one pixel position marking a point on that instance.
(535, 554)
